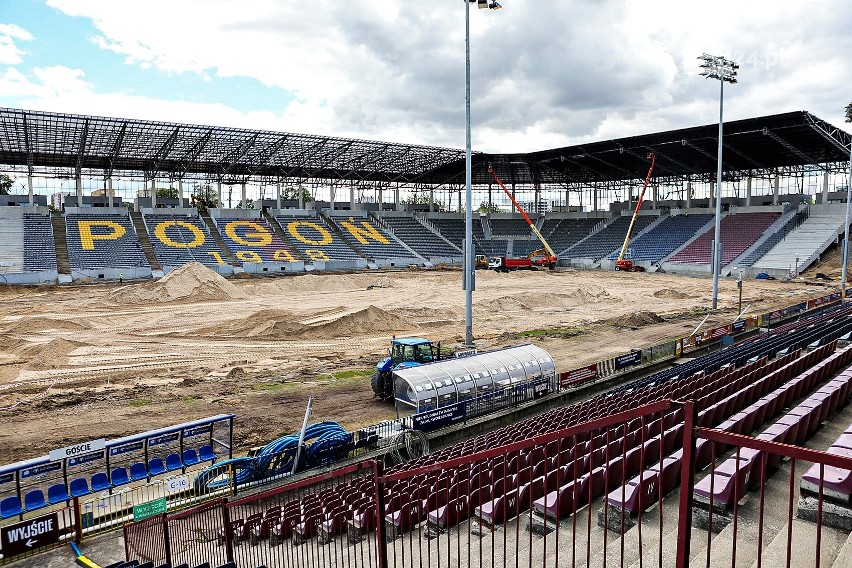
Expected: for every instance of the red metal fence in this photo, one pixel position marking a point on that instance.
(608, 492)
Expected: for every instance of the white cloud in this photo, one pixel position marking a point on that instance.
(10, 53)
(543, 75)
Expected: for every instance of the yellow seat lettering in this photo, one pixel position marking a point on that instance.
(217, 256)
(254, 235)
(365, 233)
(293, 227)
(283, 255)
(315, 254)
(88, 238)
(248, 256)
(197, 234)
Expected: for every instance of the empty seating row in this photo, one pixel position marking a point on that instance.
(608, 239)
(39, 245)
(836, 483)
(58, 493)
(731, 480)
(736, 408)
(562, 234)
(670, 234)
(102, 241)
(181, 239)
(254, 241)
(370, 239)
(314, 239)
(738, 232)
(422, 240)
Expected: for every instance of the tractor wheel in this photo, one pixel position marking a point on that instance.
(381, 388)
(617, 268)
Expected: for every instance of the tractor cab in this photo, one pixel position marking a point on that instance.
(404, 352)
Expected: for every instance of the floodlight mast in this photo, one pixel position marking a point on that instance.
(468, 265)
(725, 70)
(845, 252)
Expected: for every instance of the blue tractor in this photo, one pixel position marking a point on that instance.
(404, 352)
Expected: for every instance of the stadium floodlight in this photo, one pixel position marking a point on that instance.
(725, 70)
(845, 252)
(468, 265)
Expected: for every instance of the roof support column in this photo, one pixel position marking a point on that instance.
(431, 199)
(278, 196)
(776, 188)
(595, 197)
(689, 194)
(748, 190)
(460, 203)
(352, 198)
(379, 199)
(219, 194)
(30, 188)
(331, 198)
(654, 195)
(79, 184)
(710, 202)
(180, 193)
(824, 187)
(301, 196)
(396, 198)
(153, 193)
(243, 196)
(109, 192)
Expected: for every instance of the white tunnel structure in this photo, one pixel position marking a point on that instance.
(496, 373)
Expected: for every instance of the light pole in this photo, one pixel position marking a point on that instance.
(468, 264)
(717, 67)
(846, 224)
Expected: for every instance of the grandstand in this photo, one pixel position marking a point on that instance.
(421, 238)
(604, 241)
(316, 241)
(104, 242)
(661, 240)
(373, 241)
(178, 239)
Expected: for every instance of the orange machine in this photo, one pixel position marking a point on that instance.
(625, 263)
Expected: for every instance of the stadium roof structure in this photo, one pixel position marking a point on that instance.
(70, 145)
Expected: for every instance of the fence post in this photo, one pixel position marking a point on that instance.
(78, 521)
(229, 534)
(687, 474)
(166, 539)
(381, 540)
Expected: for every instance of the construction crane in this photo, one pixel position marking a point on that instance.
(623, 263)
(541, 257)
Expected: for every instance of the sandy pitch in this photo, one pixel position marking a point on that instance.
(104, 361)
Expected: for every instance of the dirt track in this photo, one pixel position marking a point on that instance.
(104, 360)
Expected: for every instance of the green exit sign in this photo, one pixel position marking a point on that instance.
(149, 509)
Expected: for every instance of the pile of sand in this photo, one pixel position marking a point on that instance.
(368, 321)
(588, 294)
(636, 319)
(34, 325)
(265, 324)
(192, 282)
(669, 294)
(50, 355)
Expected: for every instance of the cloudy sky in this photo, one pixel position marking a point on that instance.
(544, 74)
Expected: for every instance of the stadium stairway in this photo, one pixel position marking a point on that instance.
(223, 248)
(331, 225)
(276, 228)
(144, 241)
(63, 265)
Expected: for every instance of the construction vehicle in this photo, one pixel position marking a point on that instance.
(404, 352)
(481, 261)
(627, 264)
(506, 264)
(542, 257)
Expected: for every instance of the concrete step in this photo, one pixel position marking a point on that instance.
(844, 555)
(223, 248)
(803, 547)
(63, 266)
(144, 241)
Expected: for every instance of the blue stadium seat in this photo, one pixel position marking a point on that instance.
(57, 494)
(190, 457)
(79, 487)
(205, 452)
(10, 507)
(173, 462)
(156, 466)
(34, 500)
(119, 476)
(100, 481)
(138, 472)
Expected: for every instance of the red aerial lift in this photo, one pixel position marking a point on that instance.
(541, 257)
(625, 263)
